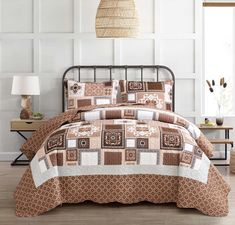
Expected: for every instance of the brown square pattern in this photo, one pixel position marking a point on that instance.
(56, 141)
(187, 157)
(133, 86)
(71, 155)
(113, 139)
(142, 143)
(112, 158)
(130, 155)
(56, 159)
(83, 102)
(155, 86)
(171, 139)
(163, 117)
(113, 114)
(128, 113)
(171, 159)
(83, 143)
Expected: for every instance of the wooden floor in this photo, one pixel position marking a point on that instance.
(90, 213)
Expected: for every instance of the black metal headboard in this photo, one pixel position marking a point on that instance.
(125, 68)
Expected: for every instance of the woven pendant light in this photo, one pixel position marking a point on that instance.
(117, 19)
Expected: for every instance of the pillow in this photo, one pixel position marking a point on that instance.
(158, 94)
(87, 94)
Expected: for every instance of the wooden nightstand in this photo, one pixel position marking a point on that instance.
(226, 141)
(19, 126)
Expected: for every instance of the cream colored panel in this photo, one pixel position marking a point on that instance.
(185, 95)
(146, 15)
(97, 52)
(51, 94)
(177, 16)
(56, 55)
(88, 14)
(179, 55)
(134, 52)
(17, 55)
(56, 16)
(8, 102)
(17, 15)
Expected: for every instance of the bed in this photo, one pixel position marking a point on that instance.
(119, 141)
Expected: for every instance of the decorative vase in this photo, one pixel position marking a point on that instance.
(117, 19)
(219, 116)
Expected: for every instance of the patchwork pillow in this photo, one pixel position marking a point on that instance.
(158, 94)
(86, 94)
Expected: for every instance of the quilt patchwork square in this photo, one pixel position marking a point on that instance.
(155, 86)
(102, 100)
(148, 157)
(187, 157)
(43, 164)
(56, 141)
(113, 139)
(131, 97)
(83, 143)
(71, 143)
(130, 143)
(171, 139)
(57, 159)
(135, 86)
(113, 114)
(89, 157)
(112, 158)
(197, 152)
(143, 143)
(171, 159)
(196, 163)
(72, 133)
(145, 115)
(130, 155)
(71, 155)
(129, 114)
(163, 117)
(83, 102)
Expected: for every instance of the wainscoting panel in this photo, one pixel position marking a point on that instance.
(44, 37)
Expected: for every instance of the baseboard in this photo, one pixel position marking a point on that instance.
(8, 156)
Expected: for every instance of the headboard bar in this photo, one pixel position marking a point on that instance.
(142, 73)
(125, 67)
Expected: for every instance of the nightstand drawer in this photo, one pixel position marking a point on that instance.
(25, 125)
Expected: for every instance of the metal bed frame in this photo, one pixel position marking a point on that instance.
(110, 68)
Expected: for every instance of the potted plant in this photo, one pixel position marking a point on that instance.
(218, 90)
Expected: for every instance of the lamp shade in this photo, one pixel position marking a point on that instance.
(25, 85)
(117, 19)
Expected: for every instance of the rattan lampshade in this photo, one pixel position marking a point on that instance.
(117, 19)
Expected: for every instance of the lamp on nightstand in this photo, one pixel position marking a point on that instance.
(26, 86)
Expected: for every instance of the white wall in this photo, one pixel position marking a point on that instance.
(44, 37)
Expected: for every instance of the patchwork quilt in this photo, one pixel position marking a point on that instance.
(120, 153)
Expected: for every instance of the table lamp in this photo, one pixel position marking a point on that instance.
(26, 86)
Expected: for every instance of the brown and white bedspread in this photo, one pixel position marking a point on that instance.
(121, 153)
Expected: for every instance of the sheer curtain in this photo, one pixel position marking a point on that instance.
(219, 54)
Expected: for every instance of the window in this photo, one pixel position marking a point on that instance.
(219, 56)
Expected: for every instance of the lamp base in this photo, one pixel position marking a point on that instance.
(26, 112)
